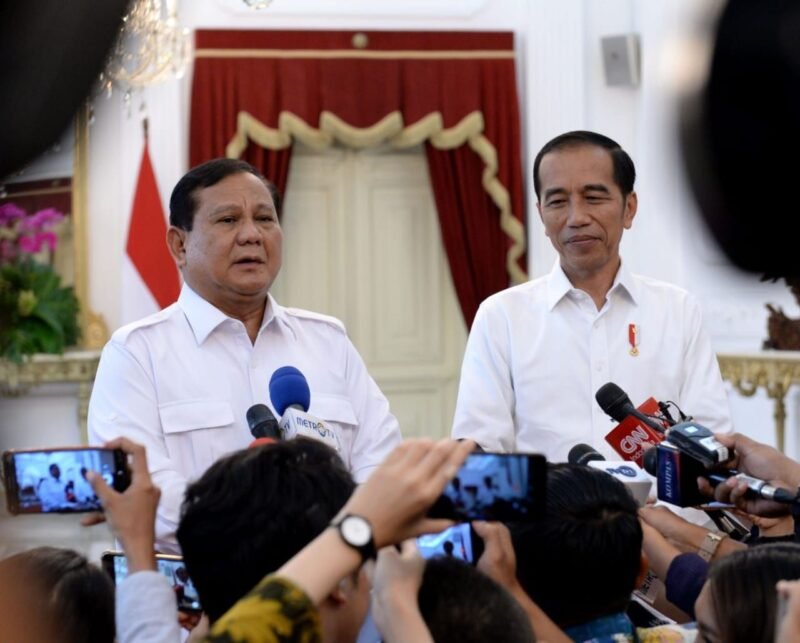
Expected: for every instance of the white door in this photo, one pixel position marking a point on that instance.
(362, 243)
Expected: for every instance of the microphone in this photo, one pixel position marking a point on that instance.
(263, 425)
(635, 431)
(637, 483)
(291, 397)
(616, 404)
(677, 473)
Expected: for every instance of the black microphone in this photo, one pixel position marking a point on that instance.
(263, 425)
(583, 454)
(617, 405)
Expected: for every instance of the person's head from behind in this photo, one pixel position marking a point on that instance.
(251, 511)
(738, 602)
(224, 233)
(54, 594)
(582, 559)
(461, 604)
(585, 197)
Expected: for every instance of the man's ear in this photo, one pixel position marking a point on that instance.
(631, 206)
(541, 217)
(176, 242)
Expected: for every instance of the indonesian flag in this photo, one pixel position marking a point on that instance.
(150, 279)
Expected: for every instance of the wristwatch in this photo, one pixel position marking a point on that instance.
(710, 544)
(357, 533)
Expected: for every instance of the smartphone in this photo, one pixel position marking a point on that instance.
(54, 480)
(116, 565)
(459, 541)
(507, 487)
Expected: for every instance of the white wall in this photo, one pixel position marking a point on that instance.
(561, 87)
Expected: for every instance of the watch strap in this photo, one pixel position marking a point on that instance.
(710, 545)
(367, 550)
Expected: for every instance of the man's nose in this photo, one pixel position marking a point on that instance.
(248, 230)
(577, 215)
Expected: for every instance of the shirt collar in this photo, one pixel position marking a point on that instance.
(559, 285)
(204, 317)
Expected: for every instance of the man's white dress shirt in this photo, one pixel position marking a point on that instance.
(180, 382)
(538, 352)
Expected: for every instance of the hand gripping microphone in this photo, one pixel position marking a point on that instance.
(291, 397)
(677, 473)
(263, 425)
(630, 475)
(637, 429)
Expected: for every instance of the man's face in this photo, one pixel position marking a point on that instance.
(582, 208)
(55, 471)
(233, 252)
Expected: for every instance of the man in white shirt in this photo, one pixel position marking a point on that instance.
(537, 353)
(52, 490)
(181, 381)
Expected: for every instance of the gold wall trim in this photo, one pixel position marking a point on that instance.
(774, 371)
(357, 53)
(392, 130)
(94, 332)
(43, 191)
(74, 367)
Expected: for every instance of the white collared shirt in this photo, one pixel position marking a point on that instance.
(180, 383)
(538, 352)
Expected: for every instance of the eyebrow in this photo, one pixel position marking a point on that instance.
(552, 191)
(596, 187)
(229, 207)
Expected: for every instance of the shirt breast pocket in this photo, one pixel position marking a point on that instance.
(197, 432)
(338, 414)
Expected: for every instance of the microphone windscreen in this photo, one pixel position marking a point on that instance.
(583, 454)
(650, 461)
(614, 401)
(287, 387)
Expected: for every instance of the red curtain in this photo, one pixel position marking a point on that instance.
(254, 92)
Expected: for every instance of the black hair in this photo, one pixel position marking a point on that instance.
(461, 604)
(580, 561)
(183, 201)
(252, 511)
(743, 590)
(624, 169)
(79, 596)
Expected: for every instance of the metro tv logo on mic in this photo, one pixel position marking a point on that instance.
(631, 438)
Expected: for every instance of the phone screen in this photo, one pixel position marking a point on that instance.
(458, 541)
(506, 487)
(171, 567)
(54, 481)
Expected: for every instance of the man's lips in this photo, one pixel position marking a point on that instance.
(248, 261)
(581, 239)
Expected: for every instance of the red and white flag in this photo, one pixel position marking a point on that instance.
(150, 278)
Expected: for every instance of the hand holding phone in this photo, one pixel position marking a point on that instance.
(507, 487)
(58, 480)
(131, 515)
(117, 565)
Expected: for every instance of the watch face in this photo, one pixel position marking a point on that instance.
(356, 531)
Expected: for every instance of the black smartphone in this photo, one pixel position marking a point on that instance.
(459, 541)
(116, 565)
(54, 480)
(506, 487)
